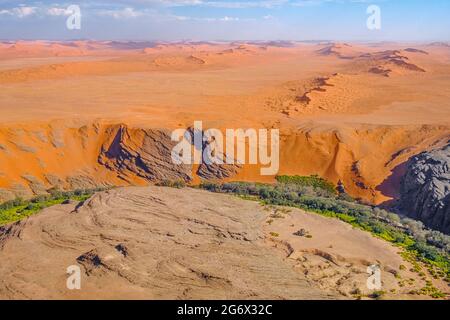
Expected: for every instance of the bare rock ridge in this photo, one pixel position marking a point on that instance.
(213, 171)
(148, 243)
(319, 84)
(385, 62)
(340, 50)
(142, 152)
(425, 189)
(147, 154)
(413, 50)
(381, 62)
(101, 155)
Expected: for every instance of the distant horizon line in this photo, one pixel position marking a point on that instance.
(226, 41)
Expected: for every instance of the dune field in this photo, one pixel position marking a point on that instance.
(352, 113)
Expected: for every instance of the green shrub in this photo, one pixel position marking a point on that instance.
(313, 181)
(426, 251)
(12, 203)
(18, 209)
(178, 184)
(377, 294)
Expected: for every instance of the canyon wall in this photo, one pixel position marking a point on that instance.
(71, 156)
(425, 189)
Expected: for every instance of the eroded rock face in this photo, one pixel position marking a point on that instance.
(143, 152)
(216, 171)
(425, 189)
(168, 243)
(147, 153)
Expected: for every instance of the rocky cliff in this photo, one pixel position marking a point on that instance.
(142, 152)
(425, 189)
(86, 155)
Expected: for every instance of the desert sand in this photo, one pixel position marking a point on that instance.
(85, 114)
(163, 243)
(349, 112)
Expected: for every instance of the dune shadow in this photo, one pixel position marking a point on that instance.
(390, 187)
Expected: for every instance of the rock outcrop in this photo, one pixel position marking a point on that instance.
(103, 154)
(146, 153)
(142, 152)
(168, 243)
(425, 189)
(148, 243)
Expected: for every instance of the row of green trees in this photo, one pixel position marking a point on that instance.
(19, 208)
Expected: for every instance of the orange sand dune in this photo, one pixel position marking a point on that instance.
(46, 49)
(340, 50)
(352, 113)
(170, 57)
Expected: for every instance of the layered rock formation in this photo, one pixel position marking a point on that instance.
(165, 243)
(425, 189)
(145, 153)
(148, 243)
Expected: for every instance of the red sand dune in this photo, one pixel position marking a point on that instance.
(350, 113)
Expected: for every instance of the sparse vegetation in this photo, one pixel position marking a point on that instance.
(274, 234)
(357, 294)
(317, 195)
(18, 209)
(308, 181)
(178, 184)
(377, 295)
(277, 214)
(303, 233)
